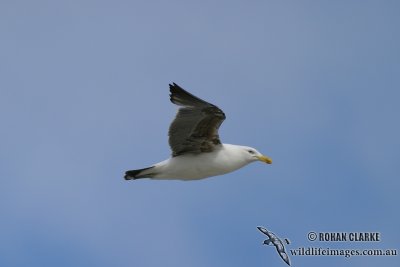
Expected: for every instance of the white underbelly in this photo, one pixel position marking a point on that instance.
(192, 167)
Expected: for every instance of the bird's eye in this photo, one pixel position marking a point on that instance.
(250, 151)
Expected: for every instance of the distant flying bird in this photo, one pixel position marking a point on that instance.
(197, 151)
(274, 240)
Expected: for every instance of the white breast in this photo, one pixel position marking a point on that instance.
(198, 166)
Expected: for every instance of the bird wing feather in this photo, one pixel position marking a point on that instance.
(195, 127)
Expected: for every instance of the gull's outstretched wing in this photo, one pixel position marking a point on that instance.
(195, 127)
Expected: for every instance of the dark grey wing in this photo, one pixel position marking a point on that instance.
(280, 248)
(284, 257)
(265, 232)
(195, 127)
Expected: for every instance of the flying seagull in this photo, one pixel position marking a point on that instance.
(197, 151)
(274, 240)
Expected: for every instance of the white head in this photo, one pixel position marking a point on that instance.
(252, 154)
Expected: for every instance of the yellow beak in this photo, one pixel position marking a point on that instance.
(265, 159)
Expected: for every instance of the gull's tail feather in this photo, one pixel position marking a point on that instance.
(137, 174)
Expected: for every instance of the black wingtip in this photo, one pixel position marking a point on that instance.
(181, 97)
(173, 85)
(173, 89)
(176, 89)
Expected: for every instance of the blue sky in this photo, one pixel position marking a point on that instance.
(84, 97)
